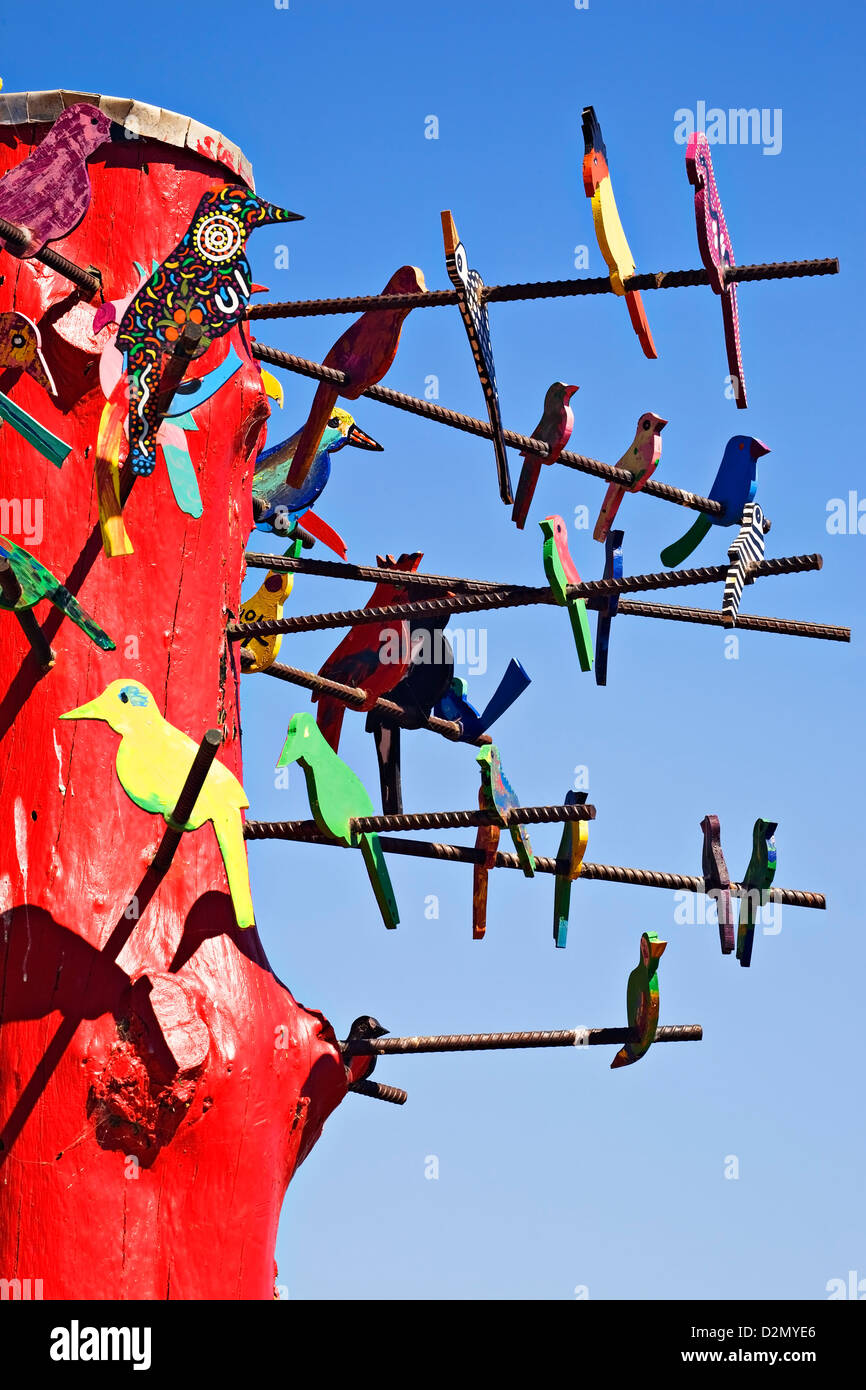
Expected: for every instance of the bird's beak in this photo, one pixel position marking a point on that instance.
(119, 134)
(275, 214)
(656, 949)
(759, 449)
(359, 440)
(661, 424)
(287, 756)
(92, 710)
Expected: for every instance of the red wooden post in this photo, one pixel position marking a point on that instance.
(158, 1086)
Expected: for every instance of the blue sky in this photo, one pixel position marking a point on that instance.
(553, 1171)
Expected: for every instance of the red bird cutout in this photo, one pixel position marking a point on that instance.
(365, 352)
(374, 656)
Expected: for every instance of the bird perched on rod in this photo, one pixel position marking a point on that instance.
(36, 582)
(365, 352)
(455, 705)
(267, 603)
(606, 614)
(497, 794)
(735, 486)
(153, 761)
(745, 554)
(21, 351)
(48, 193)
(363, 1029)
(561, 571)
(553, 429)
(337, 797)
(642, 1001)
(204, 282)
(757, 880)
(640, 458)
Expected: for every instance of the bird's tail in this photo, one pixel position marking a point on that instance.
(674, 554)
(510, 688)
(380, 879)
(72, 608)
(609, 508)
(329, 717)
(311, 435)
(230, 837)
(580, 630)
(526, 485)
(639, 322)
(521, 841)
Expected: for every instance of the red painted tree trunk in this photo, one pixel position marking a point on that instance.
(158, 1086)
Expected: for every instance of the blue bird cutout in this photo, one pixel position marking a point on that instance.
(612, 570)
(735, 486)
(276, 505)
(454, 704)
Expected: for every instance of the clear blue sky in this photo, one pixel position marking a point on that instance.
(553, 1171)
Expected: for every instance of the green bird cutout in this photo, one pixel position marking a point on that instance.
(642, 1001)
(153, 761)
(337, 797)
(36, 582)
(497, 794)
(561, 571)
(756, 881)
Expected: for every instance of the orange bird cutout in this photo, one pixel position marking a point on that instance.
(608, 227)
(365, 352)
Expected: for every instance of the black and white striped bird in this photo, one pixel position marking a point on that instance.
(745, 553)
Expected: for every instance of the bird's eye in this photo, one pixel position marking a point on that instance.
(646, 425)
(17, 340)
(124, 697)
(94, 120)
(333, 423)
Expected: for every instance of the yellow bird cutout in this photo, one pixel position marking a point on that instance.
(153, 761)
(267, 602)
(273, 388)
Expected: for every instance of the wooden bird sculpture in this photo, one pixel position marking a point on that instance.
(735, 486)
(642, 1001)
(374, 656)
(267, 603)
(455, 705)
(642, 459)
(365, 352)
(153, 761)
(757, 880)
(608, 227)
(487, 846)
(745, 554)
(204, 282)
(606, 614)
(473, 310)
(48, 193)
(717, 253)
(36, 582)
(561, 571)
(572, 849)
(497, 794)
(717, 880)
(553, 429)
(21, 351)
(337, 797)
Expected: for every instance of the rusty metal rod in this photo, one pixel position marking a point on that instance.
(490, 1042)
(377, 1090)
(789, 627)
(27, 622)
(17, 236)
(515, 596)
(308, 833)
(470, 425)
(201, 765)
(356, 695)
(540, 289)
(432, 820)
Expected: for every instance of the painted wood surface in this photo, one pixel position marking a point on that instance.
(642, 1001)
(744, 553)
(571, 852)
(455, 704)
(612, 570)
(497, 794)
(735, 485)
(267, 602)
(553, 429)
(759, 875)
(147, 1037)
(717, 880)
(641, 458)
(560, 570)
(717, 253)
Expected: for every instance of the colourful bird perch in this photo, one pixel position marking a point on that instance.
(553, 429)
(642, 459)
(153, 760)
(757, 879)
(642, 1001)
(571, 852)
(36, 582)
(608, 227)
(497, 794)
(561, 571)
(365, 352)
(735, 486)
(338, 796)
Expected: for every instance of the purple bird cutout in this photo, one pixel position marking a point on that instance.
(48, 193)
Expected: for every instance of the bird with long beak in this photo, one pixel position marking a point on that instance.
(49, 192)
(553, 429)
(642, 1001)
(365, 352)
(204, 282)
(608, 227)
(735, 486)
(153, 761)
(642, 459)
(277, 507)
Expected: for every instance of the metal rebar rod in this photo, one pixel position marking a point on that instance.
(377, 1090)
(430, 820)
(490, 1042)
(790, 627)
(355, 695)
(515, 596)
(26, 620)
(471, 425)
(541, 289)
(84, 279)
(307, 832)
(201, 765)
